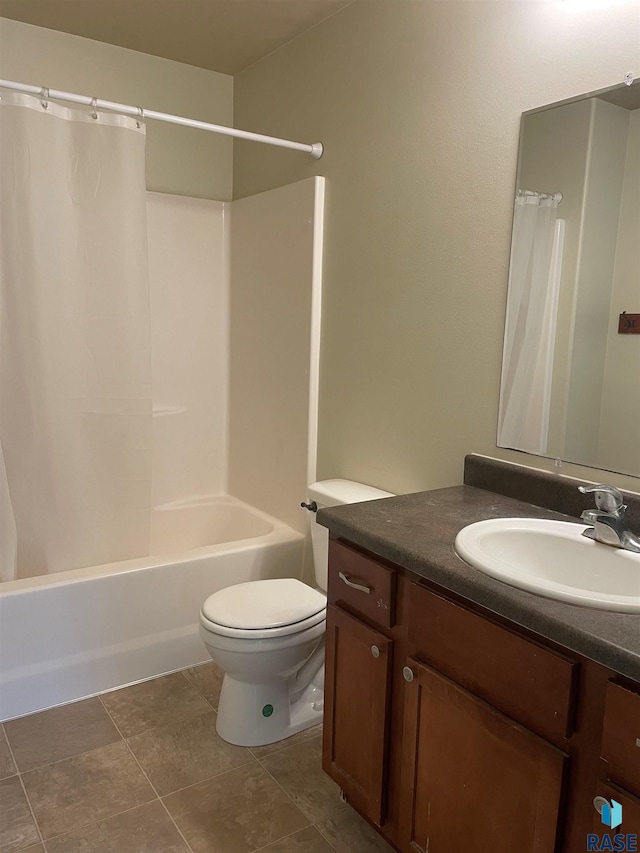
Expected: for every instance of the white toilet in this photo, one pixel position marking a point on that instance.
(268, 637)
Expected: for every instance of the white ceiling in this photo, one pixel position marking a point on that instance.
(221, 35)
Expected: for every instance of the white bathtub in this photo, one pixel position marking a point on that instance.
(73, 634)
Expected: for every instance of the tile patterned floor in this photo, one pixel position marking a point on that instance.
(142, 770)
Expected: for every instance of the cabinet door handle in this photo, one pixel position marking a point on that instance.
(375, 651)
(407, 674)
(353, 584)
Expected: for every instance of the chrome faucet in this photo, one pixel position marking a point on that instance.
(608, 519)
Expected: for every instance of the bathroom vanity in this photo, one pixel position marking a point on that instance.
(463, 714)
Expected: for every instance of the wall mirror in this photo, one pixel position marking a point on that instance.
(570, 386)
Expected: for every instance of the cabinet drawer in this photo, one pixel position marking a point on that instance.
(621, 736)
(361, 584)
(530, 683)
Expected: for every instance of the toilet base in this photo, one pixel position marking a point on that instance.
(258, 714)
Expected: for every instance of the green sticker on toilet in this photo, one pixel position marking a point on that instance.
(267, 711)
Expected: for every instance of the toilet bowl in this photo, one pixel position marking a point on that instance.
(268, 638)
(260, 634)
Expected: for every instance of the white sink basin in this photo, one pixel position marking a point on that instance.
(554, 559)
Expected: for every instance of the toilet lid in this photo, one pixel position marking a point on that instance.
(263, 604)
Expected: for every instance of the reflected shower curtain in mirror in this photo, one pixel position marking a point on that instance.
(75, 363)
(530, 327)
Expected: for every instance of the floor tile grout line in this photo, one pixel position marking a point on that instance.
(208, 779)
(33, 814)
(311, 823)
(282, 838)
(11, 755)
(22, 785)
(153, 788)
(195, 686)
(288, 796)
(69, 757)
(129, 686)
(282, 748)
(66, 757)
(179, 831)
(191, 784)
(130, 751)
(151, 785)
(94, 822)
(324, 838)
(252, 758)
(318, 827)
(122, 737)
(160, 725)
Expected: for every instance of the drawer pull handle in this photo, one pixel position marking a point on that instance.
(375, 651)
(359, 586)
(638, 742)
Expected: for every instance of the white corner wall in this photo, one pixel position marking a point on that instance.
(189, 288)
(276, 250)
(235, 328)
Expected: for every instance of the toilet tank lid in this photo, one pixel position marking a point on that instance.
(338, 492)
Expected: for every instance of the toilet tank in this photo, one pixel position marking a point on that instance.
(334, 493)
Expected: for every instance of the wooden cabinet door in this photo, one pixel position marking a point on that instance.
(476, 781)
(357, 679)
(621, 737)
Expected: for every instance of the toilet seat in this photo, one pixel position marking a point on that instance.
(263, 609)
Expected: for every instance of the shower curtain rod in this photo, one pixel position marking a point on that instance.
(315, 149)
(533, 194)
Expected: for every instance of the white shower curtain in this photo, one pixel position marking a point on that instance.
(530, 328)
(75, 365)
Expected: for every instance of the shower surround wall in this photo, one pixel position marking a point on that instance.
(275, 324)
(189, 284)
(235, 316)
(235, 336)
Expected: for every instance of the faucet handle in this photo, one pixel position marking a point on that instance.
(607, 498)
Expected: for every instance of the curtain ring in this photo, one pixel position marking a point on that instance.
(44, 98)
(140, 118)
(94, 108)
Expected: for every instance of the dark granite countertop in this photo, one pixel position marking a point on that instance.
(417, 532)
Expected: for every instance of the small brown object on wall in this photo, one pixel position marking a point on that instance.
(629, 324)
